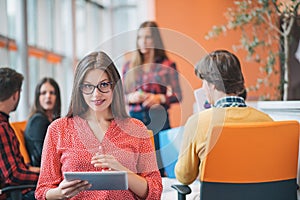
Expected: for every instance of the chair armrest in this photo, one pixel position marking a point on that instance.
(15, 191)
(182, 190)
(15, 187)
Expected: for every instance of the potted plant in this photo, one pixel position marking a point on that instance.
(266, 36)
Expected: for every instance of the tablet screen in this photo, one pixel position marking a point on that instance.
(104, 180)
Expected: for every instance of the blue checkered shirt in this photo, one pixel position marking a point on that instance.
(230, 101)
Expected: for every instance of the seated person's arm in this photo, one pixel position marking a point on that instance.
(187, 166)
(13, 167)
(34, 137)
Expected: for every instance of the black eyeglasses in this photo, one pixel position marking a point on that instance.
(201, 76)
(103, 87)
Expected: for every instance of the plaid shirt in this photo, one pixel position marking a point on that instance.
(162, 78)
(13, 169)
(230, 101)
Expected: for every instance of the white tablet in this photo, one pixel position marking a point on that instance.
(104, 180)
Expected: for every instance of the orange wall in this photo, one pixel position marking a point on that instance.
(192, 19)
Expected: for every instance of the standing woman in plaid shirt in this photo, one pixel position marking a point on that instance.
(151, 82)
(13, 169)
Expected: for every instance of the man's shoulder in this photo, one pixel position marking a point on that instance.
(246, 114)
(260, 113)
(203, 115)
(3, 127)
(3, 123)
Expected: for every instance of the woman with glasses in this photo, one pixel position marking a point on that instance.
(97, 134)
(45, 109)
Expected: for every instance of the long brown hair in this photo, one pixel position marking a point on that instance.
(138, 58)
(159, 49)
(36, 107)
(97, 60)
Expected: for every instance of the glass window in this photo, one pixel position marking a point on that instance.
(33, 77)
(125, 19)
(50, 25)
(43, 26)
(32, 22)
(12, 59)
(3, 17)
(90, 28)
(11, 14)
(4, 57)
(62, 27)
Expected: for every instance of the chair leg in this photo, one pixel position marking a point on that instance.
(182, 191)
(181, 196)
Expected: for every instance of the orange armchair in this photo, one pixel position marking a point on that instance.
(19, 128)
(250, 161)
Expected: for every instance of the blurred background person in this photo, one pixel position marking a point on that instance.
(151, 82)
(45, 109)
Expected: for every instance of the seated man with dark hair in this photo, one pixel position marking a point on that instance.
(13, 169)
(223, 83)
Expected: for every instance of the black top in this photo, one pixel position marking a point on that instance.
(35, 133)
